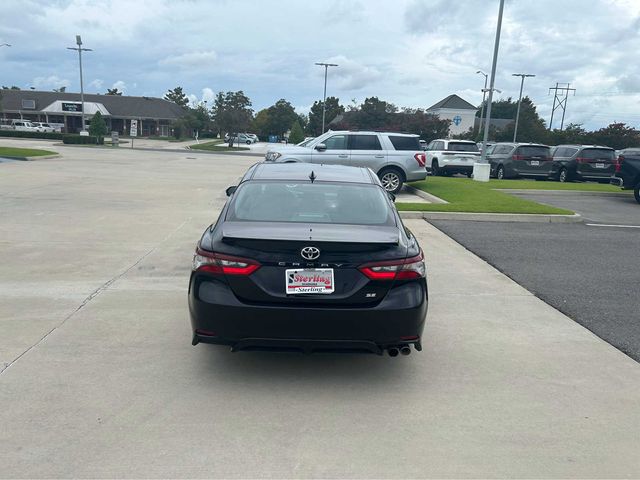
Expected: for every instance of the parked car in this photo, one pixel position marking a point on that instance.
(446, 157)
(423, 144)
(520, 160)
(23, 126)
(43, 127)
(253, 137)
(395, 157)
(309, 257)
(241, 138)
(627, 171)
(583, 163)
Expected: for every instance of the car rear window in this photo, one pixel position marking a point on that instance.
(306, 202)
(463, 147)
(596, 153)
(534, 151)
(405, 143)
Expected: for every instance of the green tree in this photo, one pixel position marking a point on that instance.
(232, 112)
(260, 124)
(98, 127)
(281, 117)
(12, 87)
(297, 134)
(531, 127)
(314, 126)
(115, 91)
(177, 96)
(616, 135)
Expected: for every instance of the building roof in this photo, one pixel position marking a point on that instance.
(116, 105)
(453, 102)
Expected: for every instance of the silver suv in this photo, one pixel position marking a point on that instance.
(395, 157)
(446, 157)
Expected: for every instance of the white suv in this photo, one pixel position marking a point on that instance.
(395, 157)
(446, 157)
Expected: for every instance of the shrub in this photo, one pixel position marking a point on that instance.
(19, 134)
(296, 135)
(98, 127)
(83, 140)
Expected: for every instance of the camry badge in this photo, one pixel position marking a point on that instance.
(310, 253)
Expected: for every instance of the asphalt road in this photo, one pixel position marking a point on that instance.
(611, 209)
(98, 377)
(589, 273)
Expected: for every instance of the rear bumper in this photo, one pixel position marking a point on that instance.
(219, 317)
(617, 181)
(416, 175)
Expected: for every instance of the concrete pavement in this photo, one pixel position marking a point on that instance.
(101, 379)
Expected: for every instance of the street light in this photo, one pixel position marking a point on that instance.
(484, 91)
(324, 96)
(523, 75)
(483, 158)
(79, 49)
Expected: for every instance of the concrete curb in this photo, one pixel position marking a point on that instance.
(42, 157)
(427, 196)
(561, 192)
(494, 217)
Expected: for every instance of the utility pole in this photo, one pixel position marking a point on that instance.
(484, 92)
(559, 101)
(523, 75)
(483, 158)
(79, 49)
(324, 96)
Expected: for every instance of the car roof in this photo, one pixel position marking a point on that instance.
(575, 145)
(453, 140)
(302, 171)
(366, 132)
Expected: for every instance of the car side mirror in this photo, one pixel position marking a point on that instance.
(392, 196)
(231, 190)
(321, 147)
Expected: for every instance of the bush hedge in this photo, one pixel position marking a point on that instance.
(82, 140)
(17, 133)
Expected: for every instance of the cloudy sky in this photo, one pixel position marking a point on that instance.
(410, 52)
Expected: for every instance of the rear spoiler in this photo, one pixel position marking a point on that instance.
(312, 232)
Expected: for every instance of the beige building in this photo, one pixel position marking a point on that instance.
(461, 113)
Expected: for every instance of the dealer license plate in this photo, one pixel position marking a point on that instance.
(309, 280)
(535, 163)
(600, 165)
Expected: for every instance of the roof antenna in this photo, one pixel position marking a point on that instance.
(312, 177)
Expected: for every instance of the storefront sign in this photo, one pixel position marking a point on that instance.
(71, 107)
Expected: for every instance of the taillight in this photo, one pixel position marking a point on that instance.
(421, 158)
(517, 157)
(406, 269)
(619, 163)
(211, 262)
(582, 160)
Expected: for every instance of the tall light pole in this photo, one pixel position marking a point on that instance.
(483, 158)
(484, 92)
(324, 96)
(523, 75)
(80, 50)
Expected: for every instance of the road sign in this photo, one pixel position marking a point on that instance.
(134, 128)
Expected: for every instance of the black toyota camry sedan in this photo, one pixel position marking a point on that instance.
(309, 258)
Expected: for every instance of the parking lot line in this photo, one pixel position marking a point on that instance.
(613, 226)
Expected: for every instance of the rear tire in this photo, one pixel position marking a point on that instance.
(563, 175)
(435, 169)
(500, 172)
(391, 179)
(636, 192)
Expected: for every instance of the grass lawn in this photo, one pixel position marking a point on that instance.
(10, 152)
(549, 185)
(466, 195)
(216, 146)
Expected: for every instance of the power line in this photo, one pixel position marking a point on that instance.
(561, 102)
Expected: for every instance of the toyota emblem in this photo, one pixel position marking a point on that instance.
(310, 253)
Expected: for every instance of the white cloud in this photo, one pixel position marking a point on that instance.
(120, 85)
(97, 83)
(351, 75)
(50, 82)
(190, 59)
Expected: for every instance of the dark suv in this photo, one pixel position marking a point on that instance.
(627, 171)
(513, 160)
(584, 163)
